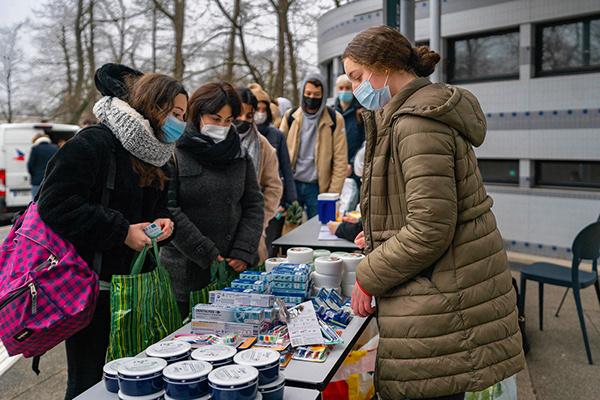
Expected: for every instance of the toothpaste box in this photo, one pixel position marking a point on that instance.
(276, 285)
(202, 327)
(241, 299)
(220, 313)
(258, 286)
(255, 276)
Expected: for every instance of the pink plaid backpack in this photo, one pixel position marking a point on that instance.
(47, 291)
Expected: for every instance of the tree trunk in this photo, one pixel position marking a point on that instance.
(179, 23)
(9, 111)
(230, 62)
(75, 100)
(281, 10)
(91, 95)
(293, 63)
(154, 28)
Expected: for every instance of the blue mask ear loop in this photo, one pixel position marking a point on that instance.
(384, 83)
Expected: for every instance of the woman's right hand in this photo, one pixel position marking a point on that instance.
(360, 240)
(220, 258)
(136, 237)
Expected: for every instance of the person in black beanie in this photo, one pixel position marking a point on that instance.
(114, 80)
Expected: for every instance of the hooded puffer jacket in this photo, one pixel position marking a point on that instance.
(436, 263)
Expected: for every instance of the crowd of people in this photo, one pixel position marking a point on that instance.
(216, 171)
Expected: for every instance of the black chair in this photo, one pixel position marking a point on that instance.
(585, 247)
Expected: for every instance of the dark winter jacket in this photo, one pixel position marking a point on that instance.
(71, 197)
(38, 160)
(349, 230)
(218, 210)
(277, 140)
(355, 133)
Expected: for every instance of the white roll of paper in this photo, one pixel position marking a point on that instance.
(339, 253)
(347, 290)
(321, 253)
(300, 255)
(326, 281)
(329, 266)
(351, 261)
(274, 262)
(349, 278)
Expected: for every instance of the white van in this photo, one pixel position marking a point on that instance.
(15, 145)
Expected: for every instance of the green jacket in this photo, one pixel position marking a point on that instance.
(436, 262)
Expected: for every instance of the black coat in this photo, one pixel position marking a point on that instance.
(38, 160)
(277, 140)
(218, 210)
(71, 196)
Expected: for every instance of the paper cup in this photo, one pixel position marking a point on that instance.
(300, 255)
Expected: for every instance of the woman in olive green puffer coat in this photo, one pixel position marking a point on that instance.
(436, 263)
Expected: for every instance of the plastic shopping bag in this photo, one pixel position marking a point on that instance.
(143, 308)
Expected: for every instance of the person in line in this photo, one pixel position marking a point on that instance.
(264, 158)
(138, 136)
(214, 195)
(347, 105)
(317, 145)
(283, 104)
(435, 263)
(42, 150)
(263, 118)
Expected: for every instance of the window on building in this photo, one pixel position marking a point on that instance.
(584, 174)
(499, 171)
(568, 46)
(492, 56)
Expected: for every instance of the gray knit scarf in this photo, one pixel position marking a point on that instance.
(133, 131)
(251, 143)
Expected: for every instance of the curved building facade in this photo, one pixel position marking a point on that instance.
(535, 67)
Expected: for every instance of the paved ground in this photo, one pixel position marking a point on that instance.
(557, 366)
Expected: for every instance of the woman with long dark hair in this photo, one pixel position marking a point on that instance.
(214, 195)
(139, 135)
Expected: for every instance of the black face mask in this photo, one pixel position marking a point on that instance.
(242, 126)
(311, 103)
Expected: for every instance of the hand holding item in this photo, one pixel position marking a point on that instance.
(360, 240)
(136, 237)
(332, 225)
(361, 302)
(167, 226)
(237, 265)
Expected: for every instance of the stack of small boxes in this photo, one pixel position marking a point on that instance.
(291, 283)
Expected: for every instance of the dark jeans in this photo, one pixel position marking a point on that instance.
(86, 350)
(307, 197)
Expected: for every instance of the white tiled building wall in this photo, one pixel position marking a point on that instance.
(531, 219)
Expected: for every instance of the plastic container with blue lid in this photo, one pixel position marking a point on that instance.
(218, 355)
(274, 390)
(234, 382)
(266, 361)
(156, 396)
(187, 380)
(111, 376)
(171, 351)
(141, 376)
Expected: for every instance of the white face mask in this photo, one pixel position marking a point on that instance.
(260, 118)
(215, 132)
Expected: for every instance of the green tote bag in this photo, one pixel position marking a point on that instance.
(143, 307)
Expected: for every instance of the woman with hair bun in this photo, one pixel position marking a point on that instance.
(435, 263)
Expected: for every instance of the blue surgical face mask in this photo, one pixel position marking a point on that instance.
(371, 98)
(172, 129)
(346, 96)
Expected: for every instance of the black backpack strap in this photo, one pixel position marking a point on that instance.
(330, 110)
(290, 117)
(333, 117)
(109, 186)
